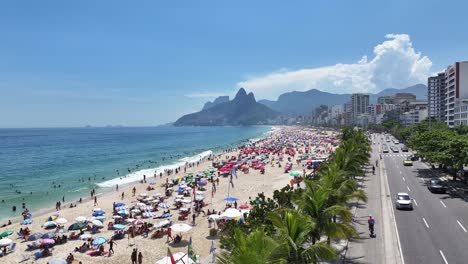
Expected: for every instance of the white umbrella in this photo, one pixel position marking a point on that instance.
(186, 201)
(57, 261)
(143, 195)
(214, 217)
(97, 223)
(199, 192)
(149, 199)
(180, 196)
(5, 242)
(129, 220)
(231, 213)
(97, 209)
(162, 223)
(80, 219)
(179, 257)
(136, 211)
(61, 221)
(91, 218)
(188, 188)
(181, 227)
(199, 197)
(85, 236)
(156, 195)
(116, 216)
(140, 204)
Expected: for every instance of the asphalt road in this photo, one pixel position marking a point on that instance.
(436, 230)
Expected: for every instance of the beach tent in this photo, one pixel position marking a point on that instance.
(231, 213)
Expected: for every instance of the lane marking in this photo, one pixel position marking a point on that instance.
(401, 172)
(443, 204)
(443, 256)
(408, 188)
(416, 203)
(425, 222)
(404, 179)
(462, 227)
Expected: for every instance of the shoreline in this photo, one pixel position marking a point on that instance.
(46, 209)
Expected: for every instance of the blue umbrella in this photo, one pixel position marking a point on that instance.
(119, 204)
(98, 213)
(231, 199)
(202, 183)
(100, 218)
(119, 226)
(123, 212)
(48, 235)
(34, 236)
(99, 241)
(179, 190)
(26, 222)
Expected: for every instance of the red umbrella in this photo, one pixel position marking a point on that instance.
(244, 206)
(47, 241)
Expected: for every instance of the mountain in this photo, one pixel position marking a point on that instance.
(420, 90)
(243, 110)
(220, 99)
(296, 103)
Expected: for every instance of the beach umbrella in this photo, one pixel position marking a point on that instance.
(97, 223)
(214, 217)
(202, 183)
(98, 213)
(179, 190)
(91, 218)
(163, 205)
(47, 241)
(123, 212)
(179, 196)
(181, 227)
(129, 220)
(49, 235)
(119, 226)
(295, 173)
(138, 222)
(116, 217)
(191, 180)
(52, 217)
(26, 222)
(5, 242)
(199, 192)
(162, 223)
(85, 236)
(61, 230)
(136, 211)
(186, 201)
(199, 197)
(100, 218)
(99, 241)
(244, 206)
(96, 209)
(231, 213)
(157, 195)
(180, 257)
(61, 221)
(57, 261)
(231, 199)
(49, 224)
(77, 226)
(119, 204)
(5, 234)
(80, 219)
(34, 236)
(143, 195)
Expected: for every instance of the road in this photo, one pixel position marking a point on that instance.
(436, 230)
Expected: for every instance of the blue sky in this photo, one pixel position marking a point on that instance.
(135, 63)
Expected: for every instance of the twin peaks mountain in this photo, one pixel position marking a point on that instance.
(243, 110)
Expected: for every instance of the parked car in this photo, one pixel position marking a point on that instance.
(436, 186)
(403, 201)
(404, 148)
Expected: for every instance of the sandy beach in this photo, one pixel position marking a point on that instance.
(245, 186)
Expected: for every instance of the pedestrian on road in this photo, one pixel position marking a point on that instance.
(371, 223)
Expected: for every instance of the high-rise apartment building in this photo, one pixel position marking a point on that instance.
(436, 97)
(359, 104)
(456, 88)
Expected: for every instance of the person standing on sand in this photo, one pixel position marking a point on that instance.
(95, 201)
(111, 246)
(134, 256)
(116, 187)
(140, 258)
(169, 234)
(123, 194)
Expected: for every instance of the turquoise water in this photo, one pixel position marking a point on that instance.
(32, 161)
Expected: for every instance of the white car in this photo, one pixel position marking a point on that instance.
(403, 201)
(396, 142)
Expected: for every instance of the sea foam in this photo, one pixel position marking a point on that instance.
(138, 175)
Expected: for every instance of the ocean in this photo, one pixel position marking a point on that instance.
(40, 166)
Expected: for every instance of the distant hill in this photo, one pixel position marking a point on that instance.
(220, 99)
(243, 110)
(295, 103)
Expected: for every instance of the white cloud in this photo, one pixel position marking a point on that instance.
(395, 65)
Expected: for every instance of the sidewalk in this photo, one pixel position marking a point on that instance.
(384, 247)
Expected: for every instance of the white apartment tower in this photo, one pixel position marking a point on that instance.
(456, 84)
(359, 104)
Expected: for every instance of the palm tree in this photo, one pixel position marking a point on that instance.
(292, 233)
(253, 248)
(315, 202)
